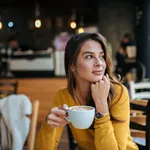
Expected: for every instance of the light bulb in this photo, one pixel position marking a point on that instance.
(80, 30)
(10, 24)
(73, 25)
(1, 25)
(37, 23)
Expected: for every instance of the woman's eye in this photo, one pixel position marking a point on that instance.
(89, 56)
(101, 57)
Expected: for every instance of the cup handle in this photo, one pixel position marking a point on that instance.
(67, 118)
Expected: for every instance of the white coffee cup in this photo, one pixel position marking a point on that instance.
(81, 117)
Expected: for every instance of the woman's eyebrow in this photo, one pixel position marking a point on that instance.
(88, 52)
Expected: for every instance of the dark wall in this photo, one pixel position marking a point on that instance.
(143, 34)
(20, 18)
(116, 18)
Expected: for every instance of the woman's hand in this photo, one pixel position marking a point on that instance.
(56, 116)
(100, 91)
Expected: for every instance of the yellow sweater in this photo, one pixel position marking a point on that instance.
(107, 135)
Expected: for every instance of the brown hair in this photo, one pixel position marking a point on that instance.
(71, 53)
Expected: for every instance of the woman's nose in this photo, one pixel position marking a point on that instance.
(98, 62)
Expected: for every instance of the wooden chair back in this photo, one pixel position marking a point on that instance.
(140, 90)
(29, 143)
(140, 124)
(7, 87)
(135, 71)
(33, 125)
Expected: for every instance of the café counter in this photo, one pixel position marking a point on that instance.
(32, 65)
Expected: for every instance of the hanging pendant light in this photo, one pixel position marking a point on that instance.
(1, 23)
(81, 26)
(73, 24)
(37, 23)
(37, 16)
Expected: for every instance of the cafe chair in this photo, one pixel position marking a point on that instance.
(8, 87)
(139, 90)
(33, 108)
(135, 71)
(72, 141)
(33, 126)
(140, 124)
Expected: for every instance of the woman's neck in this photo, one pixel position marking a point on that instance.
(81, 93)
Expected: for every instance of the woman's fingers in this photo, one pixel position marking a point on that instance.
(107, 76)
(52, 118)
(105, 79)
(101, 89)
(97, 83)
(54, 124)
(65, 106)
(56, 116)
(58, 111)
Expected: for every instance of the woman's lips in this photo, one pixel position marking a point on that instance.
(97, 72)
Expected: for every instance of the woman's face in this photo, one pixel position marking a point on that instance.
(90, 65)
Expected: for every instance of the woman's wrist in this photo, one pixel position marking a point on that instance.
(102, 107)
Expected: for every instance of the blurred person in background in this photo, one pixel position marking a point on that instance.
(126, 40)
(122, 54)
(13, 44)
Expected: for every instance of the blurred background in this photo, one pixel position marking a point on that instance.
(35, 25)
(34, 33)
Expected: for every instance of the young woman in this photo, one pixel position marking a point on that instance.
(90, 82)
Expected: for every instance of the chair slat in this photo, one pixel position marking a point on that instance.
(32, 132)
(141, 95)
(140, 124)
(142, 85)
(7, 87)
(139, 102)
(140, 119)
(6, 92)
(139, 90)
(137, 133)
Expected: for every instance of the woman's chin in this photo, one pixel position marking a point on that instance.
(96, 80)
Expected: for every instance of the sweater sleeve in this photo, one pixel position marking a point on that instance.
(113, 134)
(48, 138)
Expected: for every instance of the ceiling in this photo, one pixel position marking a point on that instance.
(86, 8)
(50, 3)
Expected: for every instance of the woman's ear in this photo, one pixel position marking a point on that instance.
(72, 68)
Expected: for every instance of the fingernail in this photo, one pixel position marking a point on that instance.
(65, 106)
